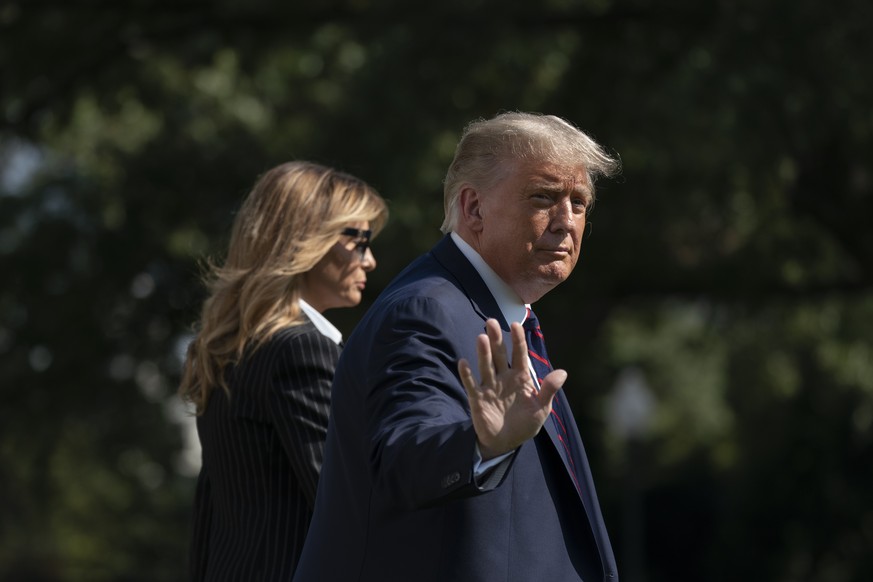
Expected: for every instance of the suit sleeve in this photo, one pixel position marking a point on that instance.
(422, 437)
(198, 552)
(300, 403)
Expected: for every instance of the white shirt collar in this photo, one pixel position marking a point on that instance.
(511, 306)
(326, 328)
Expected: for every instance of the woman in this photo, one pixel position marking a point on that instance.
(260, 368)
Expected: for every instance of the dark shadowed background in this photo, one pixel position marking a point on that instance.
(717, 330)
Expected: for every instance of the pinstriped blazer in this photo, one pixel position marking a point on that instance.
(262, 454)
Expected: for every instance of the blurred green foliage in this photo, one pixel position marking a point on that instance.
(730, 266)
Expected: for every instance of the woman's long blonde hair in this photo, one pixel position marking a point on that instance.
(291, 219)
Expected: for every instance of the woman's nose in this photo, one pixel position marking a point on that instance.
(368, 263)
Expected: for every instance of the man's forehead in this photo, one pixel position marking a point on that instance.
(558, 176)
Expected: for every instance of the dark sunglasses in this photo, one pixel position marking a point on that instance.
(362, 239)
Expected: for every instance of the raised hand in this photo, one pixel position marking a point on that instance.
(506, 407)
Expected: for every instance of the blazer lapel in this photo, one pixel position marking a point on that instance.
(552, 431)
(450, 257)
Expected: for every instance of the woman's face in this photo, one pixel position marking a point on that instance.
(339, 278)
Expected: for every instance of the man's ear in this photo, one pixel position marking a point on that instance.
(470, 205)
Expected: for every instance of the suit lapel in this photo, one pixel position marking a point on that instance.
(450, 257)
(447, 254)
(552, 431)
(453, 260)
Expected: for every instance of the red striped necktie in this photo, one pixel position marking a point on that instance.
(536, 348)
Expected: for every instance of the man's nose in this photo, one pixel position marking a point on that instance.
(563, 217)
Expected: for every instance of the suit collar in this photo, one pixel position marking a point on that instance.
(447, 253)
(511, 306)
(450, 257)
(321, 323)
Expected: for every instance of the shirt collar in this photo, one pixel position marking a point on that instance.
(511, 306)
(326, 328)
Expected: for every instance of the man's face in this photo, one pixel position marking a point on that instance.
(532, 225)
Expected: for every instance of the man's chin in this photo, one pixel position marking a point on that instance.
(555, 272)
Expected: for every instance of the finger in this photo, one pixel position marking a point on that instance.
(486, 369)
(520, 358)
(466, 374)
(498, 351)
(550, 386)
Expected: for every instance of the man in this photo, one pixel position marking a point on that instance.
(431, 474)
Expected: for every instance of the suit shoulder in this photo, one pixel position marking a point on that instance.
(306, 331)
(291, 342)
(429, 285)
(303, 336)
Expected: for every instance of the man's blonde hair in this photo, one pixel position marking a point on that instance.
(487, 145)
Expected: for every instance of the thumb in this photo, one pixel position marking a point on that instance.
(550, 385)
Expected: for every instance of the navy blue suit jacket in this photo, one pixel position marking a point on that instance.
(397, 498)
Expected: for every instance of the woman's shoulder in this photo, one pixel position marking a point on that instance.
(293, 332)
(290, 346)
(299, 337)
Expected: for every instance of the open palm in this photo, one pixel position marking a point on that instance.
(506, 406)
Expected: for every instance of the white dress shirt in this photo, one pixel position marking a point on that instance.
(321, 323)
